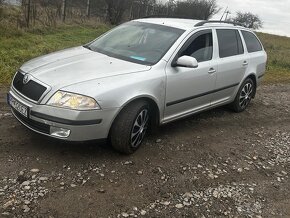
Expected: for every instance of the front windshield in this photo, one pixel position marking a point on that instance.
(137, 42)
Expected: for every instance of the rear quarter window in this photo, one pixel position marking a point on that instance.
(252, 42)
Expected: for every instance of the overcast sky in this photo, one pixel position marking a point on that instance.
(275, 14)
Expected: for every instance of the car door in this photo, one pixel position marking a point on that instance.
(232, 64)
(257, 55)
(188, 89)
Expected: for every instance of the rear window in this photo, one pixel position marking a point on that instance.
(230, 43)
(252, 42)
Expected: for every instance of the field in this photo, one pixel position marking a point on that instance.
(18, 46)
(278, 50)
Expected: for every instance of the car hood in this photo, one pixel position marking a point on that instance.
(74, 65)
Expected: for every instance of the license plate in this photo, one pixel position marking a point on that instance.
(19, 107)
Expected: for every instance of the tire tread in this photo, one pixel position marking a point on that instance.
(120, 136)
(235, 106)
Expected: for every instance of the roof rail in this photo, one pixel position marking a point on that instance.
(165, 16)
(218, 21)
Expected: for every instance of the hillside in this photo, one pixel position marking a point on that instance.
(17, 46)
(278, 50)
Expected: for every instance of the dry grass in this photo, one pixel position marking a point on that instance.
(278, 50)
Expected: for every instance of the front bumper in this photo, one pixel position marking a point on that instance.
(82, 125)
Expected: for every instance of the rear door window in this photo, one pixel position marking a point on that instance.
(253, 44)
(230, 43)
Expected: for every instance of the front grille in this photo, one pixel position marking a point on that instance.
(31, 90)
(40, 127)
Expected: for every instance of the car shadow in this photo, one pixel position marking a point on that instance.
(194, 120)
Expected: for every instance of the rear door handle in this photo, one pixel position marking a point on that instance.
(245, 63)
(211, 71)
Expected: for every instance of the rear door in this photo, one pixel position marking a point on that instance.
(258, 56)
(232, 64)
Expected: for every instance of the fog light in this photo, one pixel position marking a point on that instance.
(59, 132)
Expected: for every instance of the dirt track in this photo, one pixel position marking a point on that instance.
(215, 164)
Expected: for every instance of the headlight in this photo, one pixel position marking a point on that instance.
(72, 101)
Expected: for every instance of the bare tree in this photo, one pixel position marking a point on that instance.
(1, 9)
(63, 14)
(88, 9)
(49, 12)
(196, 9)
(210, 8)
(249, 20)
(116, 9)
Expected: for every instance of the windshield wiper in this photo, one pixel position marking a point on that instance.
(87, 47)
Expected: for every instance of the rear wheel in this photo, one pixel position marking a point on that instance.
(244, 96)
(130, 127)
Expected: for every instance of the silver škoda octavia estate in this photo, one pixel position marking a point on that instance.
(144, 72)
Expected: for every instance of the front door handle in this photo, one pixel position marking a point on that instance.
(211, 71)
(245, 63)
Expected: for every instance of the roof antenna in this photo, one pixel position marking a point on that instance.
(224, 13)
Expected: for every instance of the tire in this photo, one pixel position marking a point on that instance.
(130, 127)
(244, 96)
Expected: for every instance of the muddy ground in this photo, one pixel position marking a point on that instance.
(215, 164)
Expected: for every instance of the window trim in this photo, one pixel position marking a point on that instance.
(189, 41)
(237, 34)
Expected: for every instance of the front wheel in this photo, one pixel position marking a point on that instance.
(244, 96)
(130, 127)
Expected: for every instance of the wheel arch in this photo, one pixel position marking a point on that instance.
(152, 103)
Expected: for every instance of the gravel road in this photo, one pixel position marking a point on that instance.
(215, 164)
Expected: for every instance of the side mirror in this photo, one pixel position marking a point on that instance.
(186, 61)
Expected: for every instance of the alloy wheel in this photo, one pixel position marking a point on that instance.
(246, 95)
(139, 128)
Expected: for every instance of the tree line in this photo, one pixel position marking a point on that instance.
(50, 12)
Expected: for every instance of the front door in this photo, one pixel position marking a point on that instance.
(189, 89)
